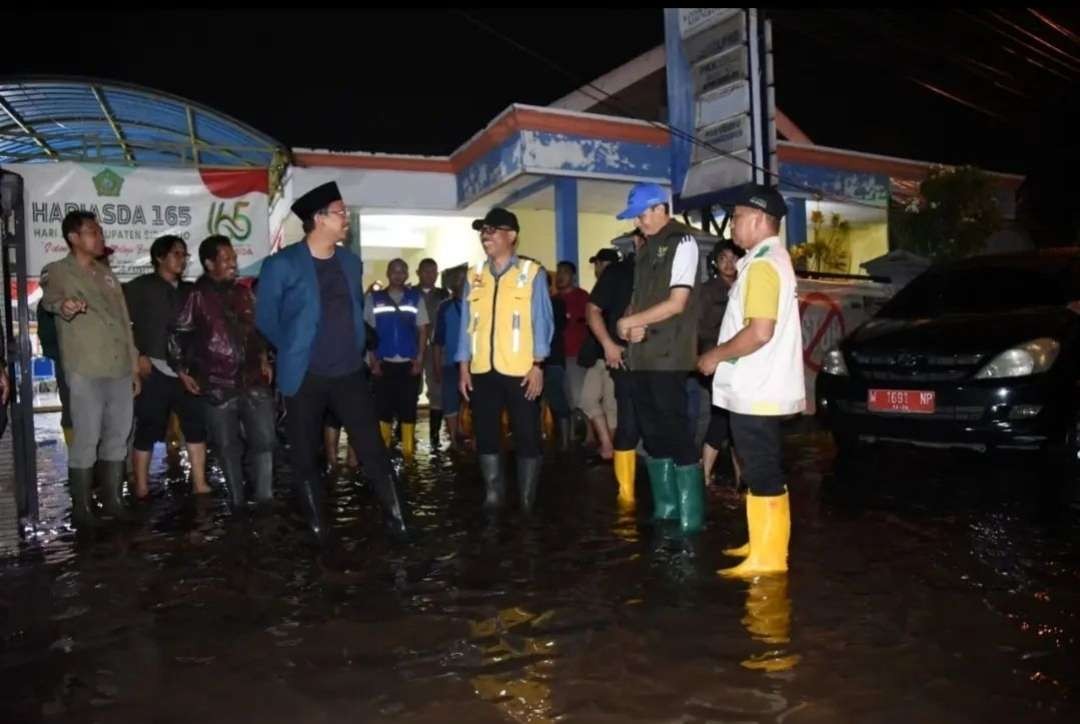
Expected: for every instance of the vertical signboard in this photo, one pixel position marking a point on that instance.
(721, 102)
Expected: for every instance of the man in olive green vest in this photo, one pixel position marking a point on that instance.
(101, 363)
(661, 326)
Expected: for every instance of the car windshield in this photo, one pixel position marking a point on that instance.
(975, 290)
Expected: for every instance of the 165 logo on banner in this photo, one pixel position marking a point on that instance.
(236, 225)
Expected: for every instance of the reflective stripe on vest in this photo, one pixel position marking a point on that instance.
(501, 324)
(396, 324)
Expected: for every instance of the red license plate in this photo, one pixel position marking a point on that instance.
(916, 401)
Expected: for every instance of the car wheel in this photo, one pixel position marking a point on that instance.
(1064, 462)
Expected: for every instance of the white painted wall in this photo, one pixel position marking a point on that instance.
(366, 189)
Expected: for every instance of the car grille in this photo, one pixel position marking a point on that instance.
(914, 367)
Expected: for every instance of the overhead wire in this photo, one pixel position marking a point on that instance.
(603, 97)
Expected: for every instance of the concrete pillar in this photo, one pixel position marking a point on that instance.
(566, 220)
(795, 221)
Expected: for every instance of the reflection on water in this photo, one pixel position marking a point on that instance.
(768, 619)
(528, 662)
(930, 592)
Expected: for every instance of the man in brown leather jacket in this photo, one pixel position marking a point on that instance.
(222, 358)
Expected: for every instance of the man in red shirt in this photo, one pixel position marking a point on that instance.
(577, 328)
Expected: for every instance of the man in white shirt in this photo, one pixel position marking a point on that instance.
(757, 369)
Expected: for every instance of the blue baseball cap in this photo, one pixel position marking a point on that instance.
(642, 198)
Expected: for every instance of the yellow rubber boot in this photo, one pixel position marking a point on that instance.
(744, 550)
(386, 429)
(625, 463)
(770, 532)
(408, 439)
(69, 434)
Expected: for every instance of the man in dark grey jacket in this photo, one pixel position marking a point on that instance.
(153, 301)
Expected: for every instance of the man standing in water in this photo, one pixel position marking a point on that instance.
(101, 363)
(310, 306)
(153, 302)
(399, 316)
(662, 331)
(506, 327)
(757, 369)
(223, 360)
(427, 273)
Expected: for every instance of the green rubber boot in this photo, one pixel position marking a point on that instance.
(664, 493)
(690, 482)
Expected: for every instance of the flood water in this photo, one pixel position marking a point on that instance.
(923, 588)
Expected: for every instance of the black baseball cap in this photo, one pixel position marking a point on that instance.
(605, 255)
(763, 198)
(497, 217)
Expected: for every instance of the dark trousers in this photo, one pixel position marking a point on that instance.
(396, 392)
(349, 398)
(555, 391)
(757, 443)
(160, 396)
(627, 435)
(490, 394)
(252, 414)
(718, 436)
(661, 407)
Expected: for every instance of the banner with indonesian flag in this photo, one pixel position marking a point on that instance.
(137, 205)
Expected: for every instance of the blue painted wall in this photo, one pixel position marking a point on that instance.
(494, 168)
(616, 160)
(867, 188)
(540, 152)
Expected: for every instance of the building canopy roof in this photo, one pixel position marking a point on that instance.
(97, 121)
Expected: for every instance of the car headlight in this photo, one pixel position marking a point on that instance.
(1029, 358)
(833, 364)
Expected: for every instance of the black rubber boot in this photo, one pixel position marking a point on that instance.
(310, 497)
(388, 491)
(528, 478)
(262, 472)
(111, 478)
(435, 424)
(579, 428)
(80, 481)
(491, 470)
(232, 465)
(564, 434)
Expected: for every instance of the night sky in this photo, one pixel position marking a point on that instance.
(423, 82)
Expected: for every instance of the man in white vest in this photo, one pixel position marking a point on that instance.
(757, 369)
